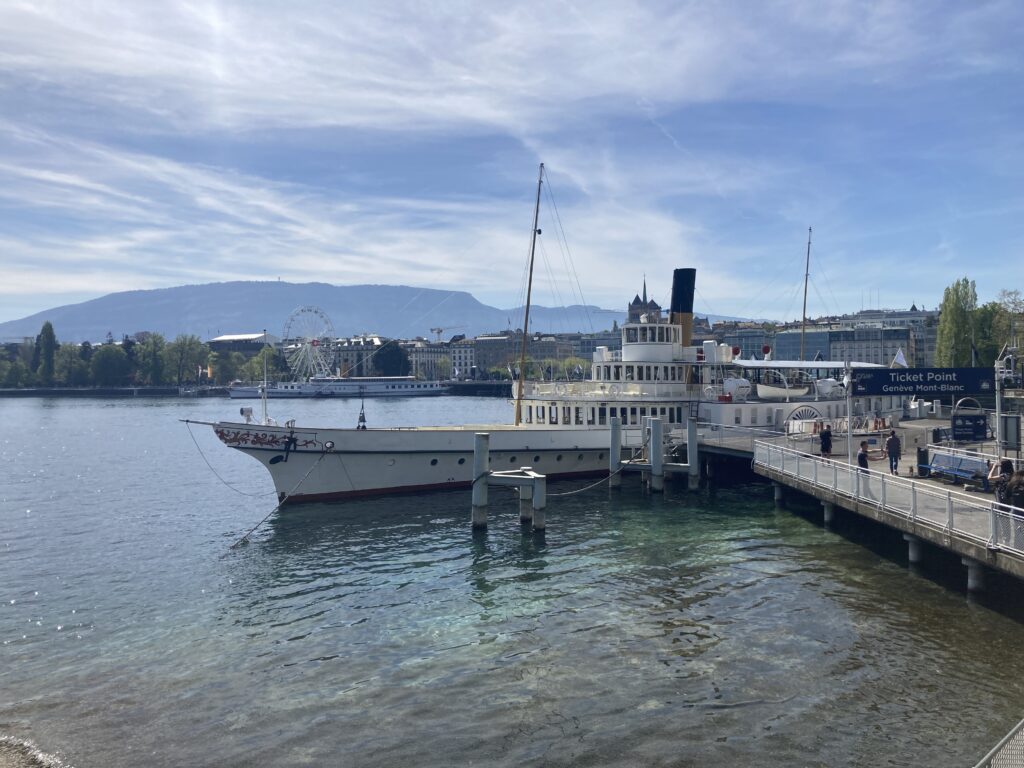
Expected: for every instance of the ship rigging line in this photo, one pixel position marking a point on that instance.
(188, 424)
(285, 498)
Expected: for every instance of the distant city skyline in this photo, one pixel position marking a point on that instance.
(150, 146)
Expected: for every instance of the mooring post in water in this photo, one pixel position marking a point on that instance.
(526, 499)
(539, 492)
(692, 459)
(975, 574)
(481, 469)
(829, 510)
(657, 454)
(779, 495)
(914, 552)
(614, 452)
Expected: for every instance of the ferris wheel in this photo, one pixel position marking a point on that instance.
(308, 340)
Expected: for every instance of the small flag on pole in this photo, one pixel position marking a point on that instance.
(899, 361)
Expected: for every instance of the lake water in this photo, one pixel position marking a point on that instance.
(690, 629)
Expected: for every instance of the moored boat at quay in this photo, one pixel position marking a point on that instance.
(341, 386)
(562, 429)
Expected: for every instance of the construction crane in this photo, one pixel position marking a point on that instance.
(439, 331)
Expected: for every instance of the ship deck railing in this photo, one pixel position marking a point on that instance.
(612, 390)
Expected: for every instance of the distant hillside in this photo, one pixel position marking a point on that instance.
(213, 309)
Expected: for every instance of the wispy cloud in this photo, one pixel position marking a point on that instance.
(150, 145)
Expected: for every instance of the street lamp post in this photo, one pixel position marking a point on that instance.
(848, 384)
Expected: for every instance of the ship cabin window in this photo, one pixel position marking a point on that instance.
(618, 372)
(622, 416)
(753, 416)
(579, 416)
(552, 414)
(632, 416)
(630, 335)
(566, 414)
(540, 414)
(528, 416)
(607, 371)
(639, 373)
(629, 372)
(643, 414)
(679, 415)
(602, 416)
(590, 417)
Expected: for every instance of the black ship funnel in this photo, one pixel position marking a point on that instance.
(681, 310)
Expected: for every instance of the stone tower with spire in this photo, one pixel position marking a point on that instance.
(641, 306)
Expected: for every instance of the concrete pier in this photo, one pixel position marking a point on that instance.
(481, 469)
(915, 553)
(526, 501)
(692, 455)
(975, 574)
(656, 450)
(614, 452)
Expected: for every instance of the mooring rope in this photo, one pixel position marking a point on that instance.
(636, 452)
(188, 424)
(281, 502)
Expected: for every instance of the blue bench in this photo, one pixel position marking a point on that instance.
(956, 468)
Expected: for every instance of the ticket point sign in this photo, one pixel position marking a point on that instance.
(924, 383)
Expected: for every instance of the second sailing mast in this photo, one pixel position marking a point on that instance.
(529, 288)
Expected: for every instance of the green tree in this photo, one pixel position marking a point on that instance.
(226, 366)
(17, 374)
(69, 369)
(988, 321)
(47, 345)
(183, 358)
(276, 367)
(444, 369)
(149, 359)
(1011, 323)
(953, 340)
(110, 366)
(391, 360)
(128, 344)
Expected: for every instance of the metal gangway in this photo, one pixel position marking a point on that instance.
(1008, 753)
(977, 527)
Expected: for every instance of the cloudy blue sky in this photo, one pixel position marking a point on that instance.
(147, 144)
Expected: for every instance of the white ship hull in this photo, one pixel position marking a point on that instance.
(309, 464)
(340, 387)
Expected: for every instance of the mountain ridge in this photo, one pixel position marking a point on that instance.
(208, 310)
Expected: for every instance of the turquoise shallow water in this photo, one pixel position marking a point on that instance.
(690, 629)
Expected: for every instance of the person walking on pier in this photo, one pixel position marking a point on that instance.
(999, 475)
(825, 436)
(893, 450)
(864, 456)
(1015, 489)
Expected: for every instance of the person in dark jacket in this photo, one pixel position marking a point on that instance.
(1015, 490)
(825, 436)
(999, 476)
(893, 450)
(864, 456)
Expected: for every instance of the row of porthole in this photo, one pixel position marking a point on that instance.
(512, 460)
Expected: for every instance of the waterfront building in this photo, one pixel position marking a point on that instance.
(353, 356)
(248, 344)
(872, 344)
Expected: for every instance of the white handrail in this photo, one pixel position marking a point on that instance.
(998, 526)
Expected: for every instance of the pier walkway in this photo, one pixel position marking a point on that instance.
(980, 530)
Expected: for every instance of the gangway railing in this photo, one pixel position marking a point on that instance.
(1008, 753)
(988, 523)
(968, 453)
(734, 437)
